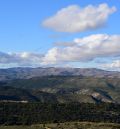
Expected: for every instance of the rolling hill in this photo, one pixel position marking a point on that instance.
(61, 85)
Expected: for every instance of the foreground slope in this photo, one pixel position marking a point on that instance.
(36, 113)
(68, 125)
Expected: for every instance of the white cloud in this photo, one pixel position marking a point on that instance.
(114, 65)
(20, 59)
(76, 19)
(85, 49)
(51, 56)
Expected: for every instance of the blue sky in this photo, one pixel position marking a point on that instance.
(22, 30)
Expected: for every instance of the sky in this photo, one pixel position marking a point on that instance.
(65, 33)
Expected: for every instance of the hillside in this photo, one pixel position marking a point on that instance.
(65, 89)
(8, 93)
(63, 97)
(59, 85)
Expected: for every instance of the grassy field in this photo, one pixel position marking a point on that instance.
(68, 125)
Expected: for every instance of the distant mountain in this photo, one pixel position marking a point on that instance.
(26, 73)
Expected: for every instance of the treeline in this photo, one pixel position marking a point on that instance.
(34, 113)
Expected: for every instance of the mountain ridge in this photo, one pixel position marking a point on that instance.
(26, 73)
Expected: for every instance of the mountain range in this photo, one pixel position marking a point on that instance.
(26, 73)
(59, 85)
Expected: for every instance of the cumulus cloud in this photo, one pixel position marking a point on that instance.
(114, 65)
(20, 59)
(85, 49)
(77, 19)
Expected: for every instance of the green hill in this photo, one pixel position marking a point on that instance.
(66, 89)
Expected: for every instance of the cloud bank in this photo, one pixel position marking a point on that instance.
(77, 19)
(85, 49)
(20, 59)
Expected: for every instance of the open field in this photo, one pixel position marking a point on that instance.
(68, 125)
